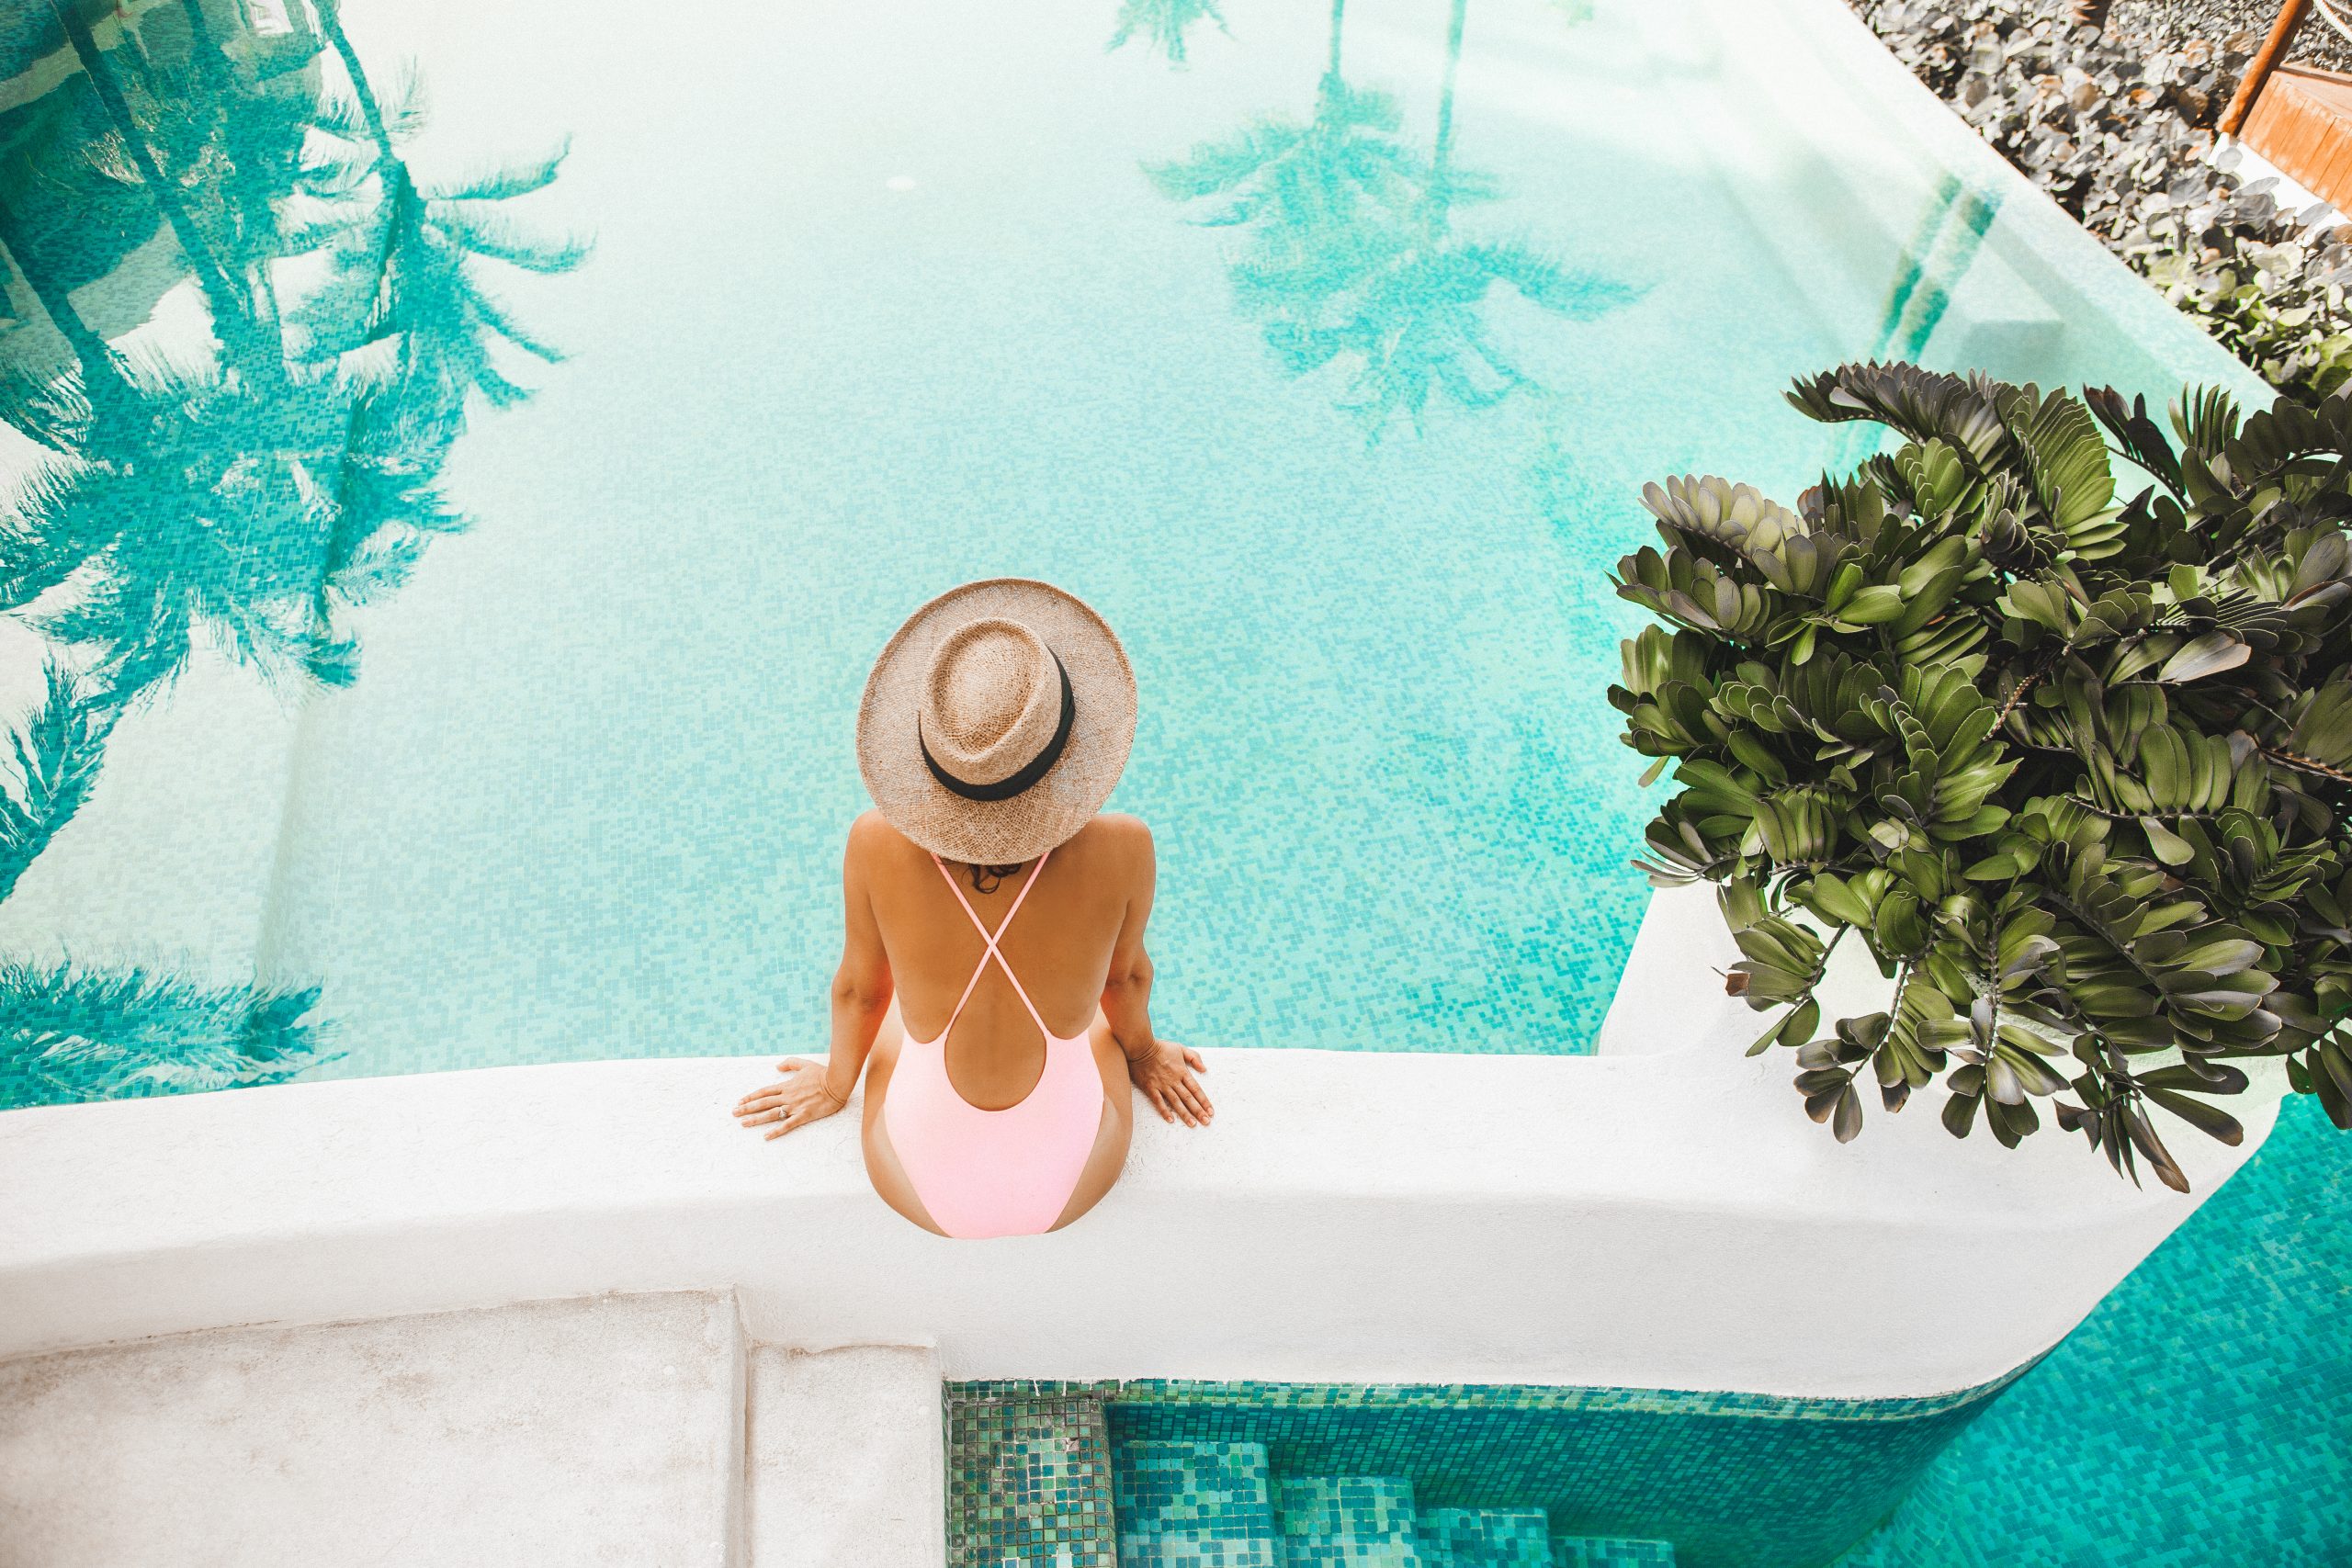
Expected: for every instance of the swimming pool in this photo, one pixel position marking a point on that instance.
(884, 297)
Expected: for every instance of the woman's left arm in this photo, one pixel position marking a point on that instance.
(812, 1091)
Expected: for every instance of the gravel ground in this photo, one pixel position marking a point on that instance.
(2173, 22)
(2119, 127)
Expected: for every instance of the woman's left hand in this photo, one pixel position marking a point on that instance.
(793, 1101)
(1164, 1074)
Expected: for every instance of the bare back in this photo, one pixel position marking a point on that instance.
(1098, 885)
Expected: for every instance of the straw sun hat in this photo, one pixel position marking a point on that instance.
(996, 721)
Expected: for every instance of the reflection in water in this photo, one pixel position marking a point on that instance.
(1162, 24)
(1942, 248)
(1353, 258)
(1938, 257)
(243, 496)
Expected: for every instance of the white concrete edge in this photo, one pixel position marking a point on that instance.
(585, 1432)
(848, 1458)
(739, 1437)
(1669, 1220)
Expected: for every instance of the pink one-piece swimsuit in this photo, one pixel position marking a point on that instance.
(993, 1173)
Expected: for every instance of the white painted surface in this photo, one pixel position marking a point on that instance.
(1659, 1218)
(847, 1467)
(564, 1434)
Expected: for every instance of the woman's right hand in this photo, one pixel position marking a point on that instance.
(793, 1101)
(1163, 1071)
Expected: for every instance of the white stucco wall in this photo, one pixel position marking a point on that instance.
(1659, 1218)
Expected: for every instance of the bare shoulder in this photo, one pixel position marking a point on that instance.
(1120, 849)
(1121, 834)
(873, 841)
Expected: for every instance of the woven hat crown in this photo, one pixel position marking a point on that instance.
(995, 721)
(991, 699)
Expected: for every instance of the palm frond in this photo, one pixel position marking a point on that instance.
(1165, 22)
(1565, 291)
(336, 113)
(404, 103)
(69, 1035)
(380, 566)
(497, 236)
(50, 533)
(56, 757)
(1215, 167)
(53, 410)
(505, 182)
(493, 315)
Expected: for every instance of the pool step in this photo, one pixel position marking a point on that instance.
(1347, 1521)
(1029, 1483)
(1611, 1551)
(1485, 1537)
(1196, 1505)
(1201, 1503)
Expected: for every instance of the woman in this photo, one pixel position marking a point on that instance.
(992, 729)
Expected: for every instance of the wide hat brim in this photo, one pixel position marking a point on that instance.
(999, 832)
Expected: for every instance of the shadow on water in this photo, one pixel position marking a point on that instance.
(1353, 260)
(244, 494)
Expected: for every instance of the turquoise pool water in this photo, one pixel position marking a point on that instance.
(1324, 347)
(843, 304)
(2200, 1417)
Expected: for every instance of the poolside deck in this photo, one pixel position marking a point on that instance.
(2301, 121)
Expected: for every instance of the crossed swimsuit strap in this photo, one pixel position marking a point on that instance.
(993, 951)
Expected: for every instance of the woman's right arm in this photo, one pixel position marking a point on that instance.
(1162, 1069)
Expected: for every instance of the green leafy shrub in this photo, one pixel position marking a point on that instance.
(2074, 770)
(2293, 333)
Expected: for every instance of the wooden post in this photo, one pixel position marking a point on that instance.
(2257, 70)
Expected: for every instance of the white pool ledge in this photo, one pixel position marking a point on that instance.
(1667, 1218)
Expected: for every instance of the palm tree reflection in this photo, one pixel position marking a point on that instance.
(243, 496)
(1353, 259)
(1162, 24)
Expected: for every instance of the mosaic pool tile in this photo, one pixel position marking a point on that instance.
(1131, 1396)
(1483, 1537)
(1192, 1551)
(1733, 1480)
(1611, 1552)
(1344, 1507)
(2201, 1418)
(1316, 1551)
(1198, 1489)
(1029, 1483)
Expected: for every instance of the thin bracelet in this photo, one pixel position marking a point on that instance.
(1152, 1045)
(839, 1102)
